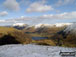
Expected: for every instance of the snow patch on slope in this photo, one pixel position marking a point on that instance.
(31, 51)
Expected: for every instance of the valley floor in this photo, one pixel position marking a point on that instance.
(31, 50)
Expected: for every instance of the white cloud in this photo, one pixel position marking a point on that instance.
(59, 3)
(11, 5)
(4, 13)
(66, 15)
(25, 2)
(39, 7)
(40, 19)
(64, 2)
(68, 1)
(2, 20)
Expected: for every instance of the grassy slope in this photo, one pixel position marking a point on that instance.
(54, 34)
(24, 38)
(7, 33)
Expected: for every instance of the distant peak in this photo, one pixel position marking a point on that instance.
(50, 25)
(18, 24)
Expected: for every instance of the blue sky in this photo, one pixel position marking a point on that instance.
(37, 11)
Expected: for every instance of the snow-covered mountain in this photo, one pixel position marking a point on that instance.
(71, 28)
(43, 25)
(62, 24)
(22, 25)
(18, 24)
(51, 25)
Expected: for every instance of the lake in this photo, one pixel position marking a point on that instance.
(39, 38)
